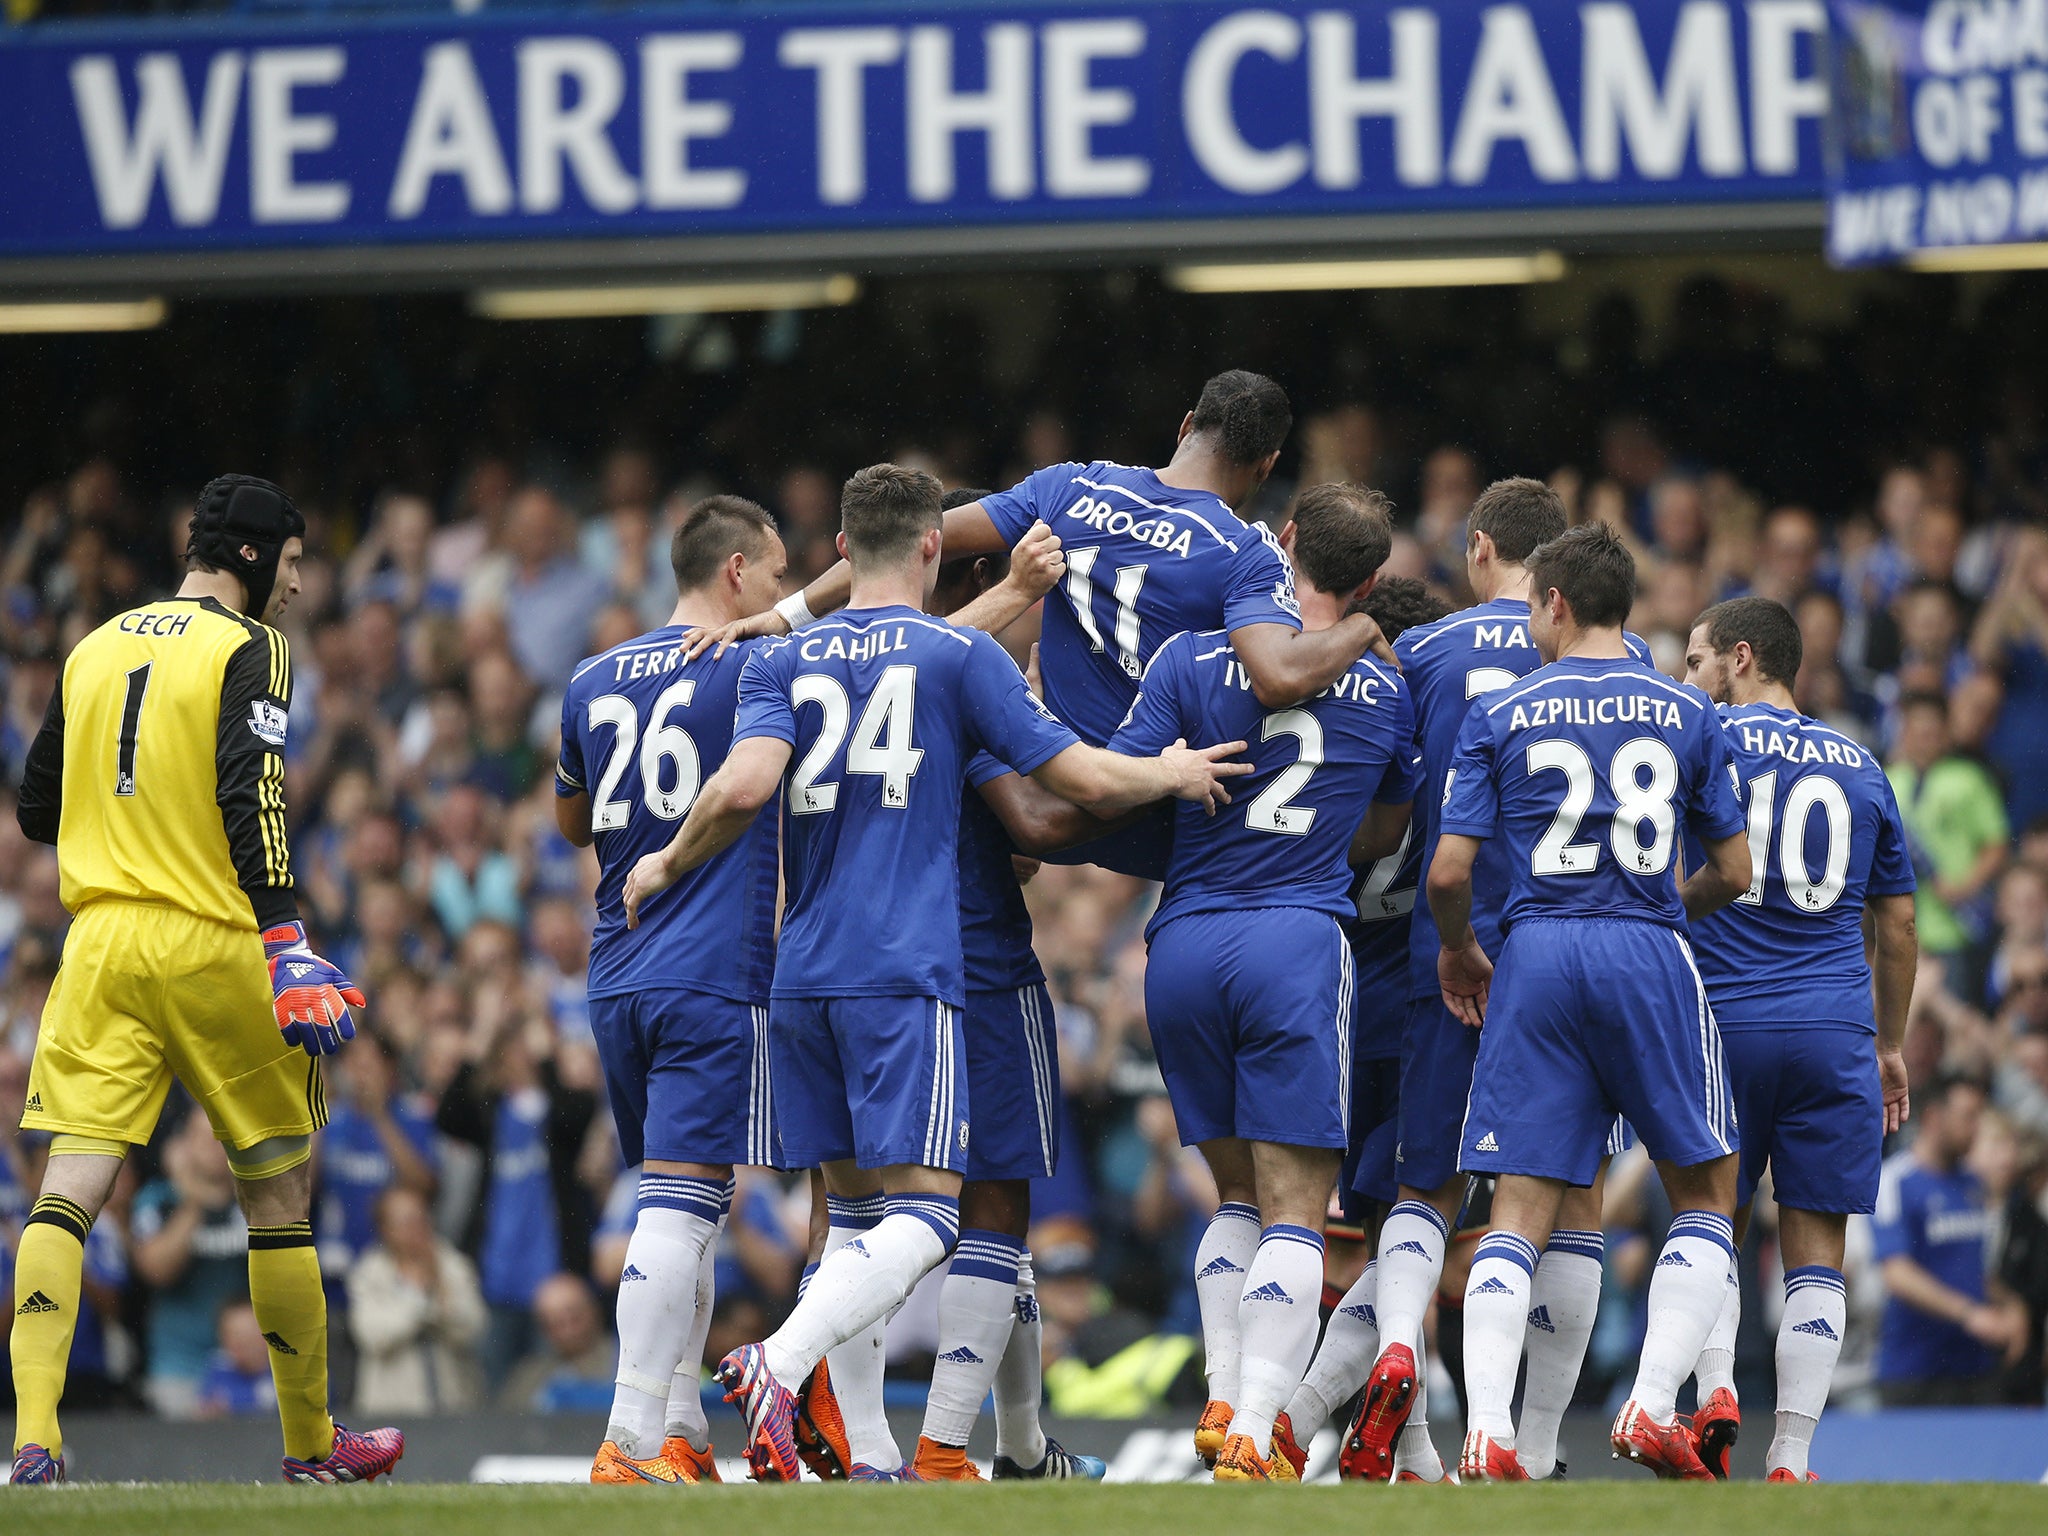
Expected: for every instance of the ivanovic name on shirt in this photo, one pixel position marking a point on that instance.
(1798, 748)
(1354, 686)
(841, 646)
(1105, 517)
(1606, 709)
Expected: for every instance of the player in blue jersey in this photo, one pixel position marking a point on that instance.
(1798, 1003)
(1585, 773)
(679, 1005)
(1150, 553)
(1447, 665)
(1248, 985)
(874, 715)
(989, 1333)
(1383, 898)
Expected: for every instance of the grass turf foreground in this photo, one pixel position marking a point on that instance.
(188, 1509)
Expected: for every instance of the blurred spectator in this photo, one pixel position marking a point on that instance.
(1789, 565)
(470, 879)
(376, 1139)
(237, 1378)
(1947, 1324)
(1956, 819)
(417, 1316)
(2012, 1169)
(534, 1217)
(545, 595)
(192, 1250)
(571, 1370)
(392, 563)
(2010, 641)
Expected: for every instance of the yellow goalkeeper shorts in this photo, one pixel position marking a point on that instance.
(147, 992)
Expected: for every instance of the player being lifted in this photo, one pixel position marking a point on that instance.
(873, 715)
(679, 1005)
(1383, 900)
(159, 775)
(1792, 991)
(1150, 553)
(1447, 665)
(1248, 986)
(1585, 774)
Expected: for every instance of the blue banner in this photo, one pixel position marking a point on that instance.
(1941, 127)
(695, 122)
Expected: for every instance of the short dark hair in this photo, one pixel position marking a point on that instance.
(1769, 628)
(1949, 1079)
(1246, 412)
(956, 576)
(1920, 698)
(1342, 534)
(1932, 584)
(1592, 569)
(886, 508)
(1519, 515)
(1398, 603)
(712, 532)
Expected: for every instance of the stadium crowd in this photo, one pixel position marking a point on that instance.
(472, 1211)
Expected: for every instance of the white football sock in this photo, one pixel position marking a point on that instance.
(1220, 1263)
(977, 1309)
(1276, 1326)
(1020, 1376)
(1411, 1262)
(856, 1365)
(657, 1307)
(862, 1282)
(1414, 1451)
(1496, 1321)
(1809, 1343)
(685, 1416)
(1351, 1342)
(1687, 1288)
(1564, 1298)
(1716, 1368)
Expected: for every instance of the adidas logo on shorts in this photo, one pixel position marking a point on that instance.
(1486, 1143)
(1540, 1318)
(1493, 1285)
(276, 1342)
(36, 1304)
(1817, 1326)
(1218, 1266)
(961, 1356)
(1272, 1290)
(1674, 1257)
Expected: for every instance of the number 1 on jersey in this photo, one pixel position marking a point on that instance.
(131, 717)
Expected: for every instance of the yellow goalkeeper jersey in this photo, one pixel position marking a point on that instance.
(159, 769)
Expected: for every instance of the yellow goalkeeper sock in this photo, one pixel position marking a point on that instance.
(47, 1273)
(291, 1309)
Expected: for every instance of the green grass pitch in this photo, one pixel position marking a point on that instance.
(1611, 1509)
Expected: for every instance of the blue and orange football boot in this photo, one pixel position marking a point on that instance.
(355, 1458)
(821, 1428)
(612, 1465)
(33, 1464)
(691, 1464)
(769, 1409)
(863, 1473)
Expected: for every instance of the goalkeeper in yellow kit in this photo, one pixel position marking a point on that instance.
(159, 775)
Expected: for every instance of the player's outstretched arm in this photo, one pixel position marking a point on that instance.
(1380, 834)
(572, 818)
(1108, 783)
(1287, 665)
(1039, 821)
(1720, 880)
(1896, 941)
(1463, 971)
(725, 807)
(39, 807)
(1037, 565)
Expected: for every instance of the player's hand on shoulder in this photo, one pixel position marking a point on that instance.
(697, 641)
(1199, 773)
(1466, 977)
(309, 996)
(1037, 564)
